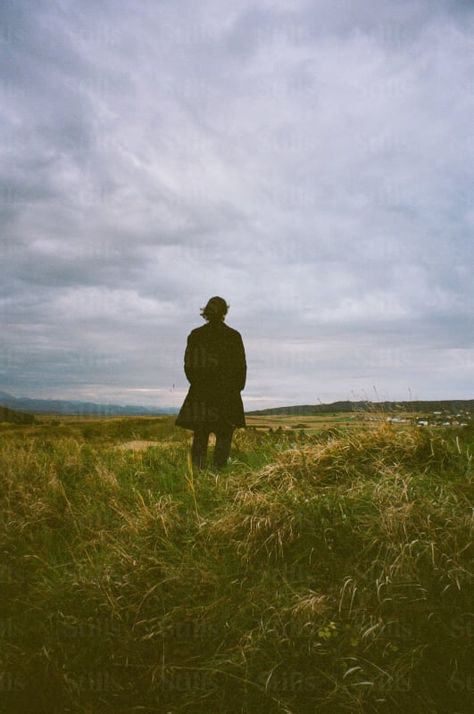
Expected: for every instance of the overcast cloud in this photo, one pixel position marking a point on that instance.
(310, 161)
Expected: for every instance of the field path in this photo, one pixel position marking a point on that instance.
(137, 444)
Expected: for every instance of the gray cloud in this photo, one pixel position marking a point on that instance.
(312, 162)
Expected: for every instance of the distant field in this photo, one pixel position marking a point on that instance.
(313, 424)
(120, 428)
(139, 427)
(306, 423)
(97, 429)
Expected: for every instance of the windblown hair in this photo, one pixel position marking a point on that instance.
(215, 310)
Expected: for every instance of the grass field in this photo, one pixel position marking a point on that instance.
(309, 424)
(328, 569)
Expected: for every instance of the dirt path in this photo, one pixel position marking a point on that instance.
(137, 445)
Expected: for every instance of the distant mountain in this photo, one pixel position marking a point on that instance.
(415, 406)
(73, 407)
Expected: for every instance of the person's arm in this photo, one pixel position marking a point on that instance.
(241, 363)
(199, 364)
(190, 360)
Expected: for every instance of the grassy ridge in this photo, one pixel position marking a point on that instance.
(328, 573)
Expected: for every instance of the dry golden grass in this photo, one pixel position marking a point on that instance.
(330, 574)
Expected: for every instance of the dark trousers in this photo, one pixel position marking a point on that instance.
(222, 448)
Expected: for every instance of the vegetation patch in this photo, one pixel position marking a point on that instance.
(319, 573)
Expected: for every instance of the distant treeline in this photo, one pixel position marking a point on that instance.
(415, 406)
(14, 417)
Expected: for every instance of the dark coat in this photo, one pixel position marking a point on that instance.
(214, 363)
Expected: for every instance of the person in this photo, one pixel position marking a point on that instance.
(215, 366)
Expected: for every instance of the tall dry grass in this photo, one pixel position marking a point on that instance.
(317, 574)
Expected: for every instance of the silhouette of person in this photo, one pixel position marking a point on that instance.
(214, 363)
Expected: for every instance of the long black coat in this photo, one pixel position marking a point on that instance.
(214, 363)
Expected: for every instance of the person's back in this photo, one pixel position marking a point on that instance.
(215, 366)
(215, 357)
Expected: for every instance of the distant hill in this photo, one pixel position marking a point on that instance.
(74, 407)
(63, 406)
(415, 406)
(14, 417)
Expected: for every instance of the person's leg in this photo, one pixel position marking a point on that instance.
(222, 448)
(199, 447)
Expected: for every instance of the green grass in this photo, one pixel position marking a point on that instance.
(319, 573)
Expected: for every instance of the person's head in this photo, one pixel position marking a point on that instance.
(215, 310)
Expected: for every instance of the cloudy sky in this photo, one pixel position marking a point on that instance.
(311, 161)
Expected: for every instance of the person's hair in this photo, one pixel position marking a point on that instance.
(215, 310)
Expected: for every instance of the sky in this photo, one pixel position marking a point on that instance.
(311, 161)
